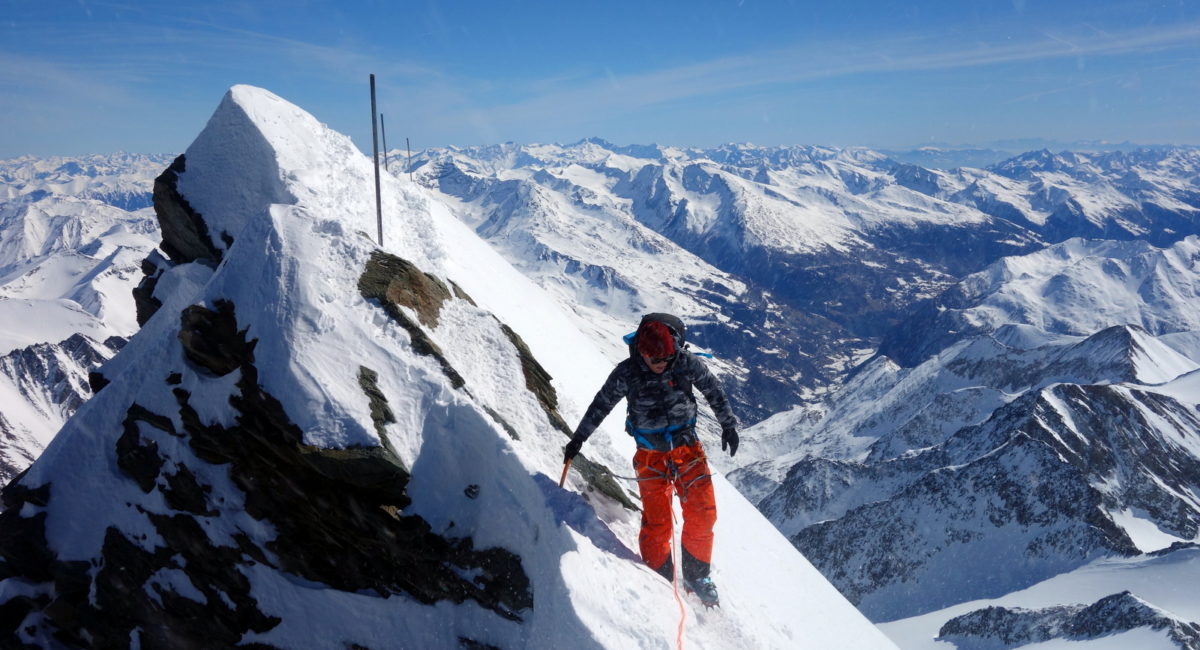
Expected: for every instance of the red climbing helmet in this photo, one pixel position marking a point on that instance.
(655, 341)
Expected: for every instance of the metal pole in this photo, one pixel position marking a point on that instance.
(383, 132)
(409, 147)
(375, 151)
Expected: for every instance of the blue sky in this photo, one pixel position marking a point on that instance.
(95, 77)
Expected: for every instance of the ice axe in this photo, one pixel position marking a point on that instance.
(563, 478)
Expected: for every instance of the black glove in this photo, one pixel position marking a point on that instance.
(729, 438)
(572, 449)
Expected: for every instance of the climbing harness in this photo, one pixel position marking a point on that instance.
(672, 475)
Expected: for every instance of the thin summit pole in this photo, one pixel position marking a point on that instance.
(383, 132)
(375, 151)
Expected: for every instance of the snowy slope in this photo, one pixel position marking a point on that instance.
(1165, 581)
(66, 266)
(297, 384)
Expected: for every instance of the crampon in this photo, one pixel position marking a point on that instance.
(705, 590)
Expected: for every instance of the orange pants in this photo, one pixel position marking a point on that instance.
(684, 470)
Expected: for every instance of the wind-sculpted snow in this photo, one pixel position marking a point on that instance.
(316, 439)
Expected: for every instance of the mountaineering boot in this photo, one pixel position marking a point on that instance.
(705, 589)
(667, 570)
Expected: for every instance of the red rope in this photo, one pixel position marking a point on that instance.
(675, 584)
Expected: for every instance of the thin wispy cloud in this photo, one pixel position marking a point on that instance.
(808, 63)
(24, 76)
(458, 78)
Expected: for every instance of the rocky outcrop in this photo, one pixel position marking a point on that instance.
(185, 236)
(143, 294)
(338, 517)
(394, 282)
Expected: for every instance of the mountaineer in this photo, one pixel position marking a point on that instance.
(657, 380)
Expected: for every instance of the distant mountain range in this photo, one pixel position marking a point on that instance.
(73, 234)
(820, 251)
(989, 369)
(971, 379)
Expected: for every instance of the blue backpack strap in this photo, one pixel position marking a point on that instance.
(639, 435)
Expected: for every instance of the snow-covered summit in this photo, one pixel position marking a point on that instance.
(318, 439)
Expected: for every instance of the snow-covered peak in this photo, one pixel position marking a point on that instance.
(1076, 288)
(317, 437)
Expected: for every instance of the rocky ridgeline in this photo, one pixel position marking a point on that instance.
(338, 516)
(1000, 628)
(336, 512)
(52, 378)
(942, 509)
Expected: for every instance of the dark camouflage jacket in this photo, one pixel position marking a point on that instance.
(658, 404)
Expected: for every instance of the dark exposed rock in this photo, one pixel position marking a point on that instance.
(508, 428)
(185, 236)
(335, 515)
(537, 380)
(139, 458)
(23, 544)
(211, 339)
(97, 381)
(471, 644)
(144, 302)
(184, 493)
(381, 414)
(334, 512)
(460, 294)
(393, 281)
(400, 282)
(601, 479)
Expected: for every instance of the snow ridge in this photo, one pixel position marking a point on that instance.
(287, 454)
